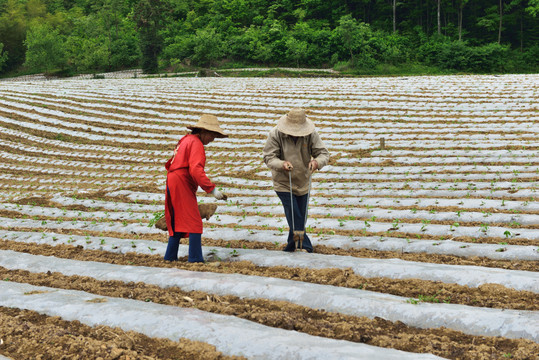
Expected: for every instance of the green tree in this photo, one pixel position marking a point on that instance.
(297, 49)
(45, 48)
(208, 46)
(13, 32)
(533, 7)
(462, 3)
(355, 37)
(149, 16)
(3, 57)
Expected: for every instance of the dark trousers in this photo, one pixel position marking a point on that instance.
(195, 248)
(300, 208)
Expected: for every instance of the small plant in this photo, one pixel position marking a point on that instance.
(156, 217)
(453, 226)
(501, 249)
(425, 223)
(395, 224)
(234, 253)
(429, 298)
(507, 233)
(483, 227)
(412, 301)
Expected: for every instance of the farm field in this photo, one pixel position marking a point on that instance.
(428, 248)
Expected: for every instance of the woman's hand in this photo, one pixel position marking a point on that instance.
(218, 195)
(287, 165)
(313, 165)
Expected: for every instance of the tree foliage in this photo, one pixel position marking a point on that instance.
(3, 56)
(45, 48)
(106, 35)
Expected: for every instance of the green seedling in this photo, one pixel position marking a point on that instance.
(156, 217)
(424, 226)
(453, 226)
(507, 233)
(483, 228)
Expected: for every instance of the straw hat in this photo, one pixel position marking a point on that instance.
(210, 123)
(295, 123)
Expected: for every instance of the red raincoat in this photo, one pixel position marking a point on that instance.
(185, 175)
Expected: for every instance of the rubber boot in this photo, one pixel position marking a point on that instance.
(172, 248)
(195, 248)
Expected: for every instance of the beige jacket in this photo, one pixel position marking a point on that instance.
(280, 147)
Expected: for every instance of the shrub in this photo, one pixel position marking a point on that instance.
(458, 55)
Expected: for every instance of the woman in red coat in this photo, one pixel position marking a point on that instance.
(185, 174)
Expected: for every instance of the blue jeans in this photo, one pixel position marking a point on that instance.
(300, 208)
(195, 248)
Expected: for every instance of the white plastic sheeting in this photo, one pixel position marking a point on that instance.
(228, 334)
(395, 268)
(470, 320)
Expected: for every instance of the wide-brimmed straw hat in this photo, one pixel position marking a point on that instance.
(210, 123)
(295, 123)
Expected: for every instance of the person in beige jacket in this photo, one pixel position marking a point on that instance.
(294, 146)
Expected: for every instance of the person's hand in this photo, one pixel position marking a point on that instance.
(313, 165)
(287, 165)
(218, 195)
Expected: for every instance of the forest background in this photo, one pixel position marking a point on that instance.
(65, 37)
